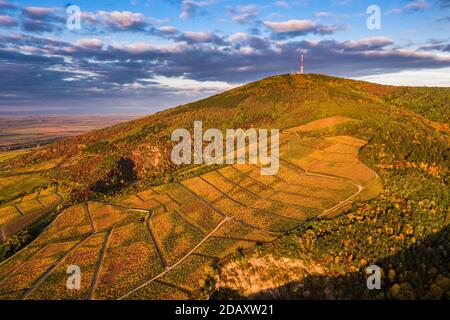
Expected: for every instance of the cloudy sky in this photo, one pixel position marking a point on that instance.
(146, 55)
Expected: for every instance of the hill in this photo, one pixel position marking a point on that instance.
(345, 146)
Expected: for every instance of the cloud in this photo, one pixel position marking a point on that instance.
(40, 13)
(433, 78)
(200, 37)
(41, 19)
(169, 30)
(444, 3)
(282, 3)
(93, 44)
(93, 73)
(443, 19)
(294, 28)
(323, 14)
(436, 45)
(4, 5)
(190, 86)
(394, 11)
(20, 39)
(243, 14)
(7, 21)
(123, 20)
(370, 43)
(415, 6)
(189, 8)
(418, 5)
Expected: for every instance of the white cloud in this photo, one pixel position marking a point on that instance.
(322, 14)
(169, 30)
(300, 27)
(190, 86)
(201, 36)
(189, 7)
(123, 20)
(417, 6)
(7, 21)
(426, 77)
(89, 43)
(238, 36)
(380, 41)
(291, 26)
(243, 14)
(414, 6)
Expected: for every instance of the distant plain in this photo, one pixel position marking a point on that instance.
(25, 131)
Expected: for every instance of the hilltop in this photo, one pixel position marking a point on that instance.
(373, 152)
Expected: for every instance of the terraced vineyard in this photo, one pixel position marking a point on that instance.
(19, 213)
(156, 244)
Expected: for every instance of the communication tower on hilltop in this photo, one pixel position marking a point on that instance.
(302, 63)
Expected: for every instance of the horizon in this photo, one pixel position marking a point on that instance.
(141, 57)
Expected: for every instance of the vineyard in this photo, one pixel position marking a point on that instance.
(19, 213)
(363, 179)
(157, 243)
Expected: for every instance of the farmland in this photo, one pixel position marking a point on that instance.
(23, 131)
(156, 243)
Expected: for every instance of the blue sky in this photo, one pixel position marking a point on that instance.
(146, 55)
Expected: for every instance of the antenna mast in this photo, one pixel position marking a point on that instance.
(302, 64)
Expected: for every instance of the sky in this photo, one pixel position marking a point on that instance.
(142, 56)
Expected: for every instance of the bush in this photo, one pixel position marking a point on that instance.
(99, 147)
(14, 243)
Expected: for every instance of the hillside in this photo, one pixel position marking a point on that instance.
(346, 146)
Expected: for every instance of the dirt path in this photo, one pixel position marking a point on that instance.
(177, 263)
(53, 267)
(234, 216)
(269, 198)
(2, 234)
(155, 243)
(99, 265)
(88, 213)
(18, 210)
(204, 201)
(272, 188)
(41, 203)
(182, 217)
(252, 205)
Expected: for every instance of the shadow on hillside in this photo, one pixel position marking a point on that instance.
(122, 173)
(419, 272)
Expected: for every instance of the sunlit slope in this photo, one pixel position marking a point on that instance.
(118, 155)
(342, 114)
(156, 243)
(19, 213)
